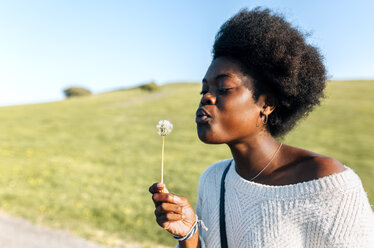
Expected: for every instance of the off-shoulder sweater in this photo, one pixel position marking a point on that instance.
(332, 211)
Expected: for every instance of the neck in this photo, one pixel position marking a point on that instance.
(251, 155)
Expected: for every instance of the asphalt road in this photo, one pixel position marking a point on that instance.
(19, 233)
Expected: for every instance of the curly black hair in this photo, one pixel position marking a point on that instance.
(284, 67)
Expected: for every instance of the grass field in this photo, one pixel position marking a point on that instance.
(85, 164)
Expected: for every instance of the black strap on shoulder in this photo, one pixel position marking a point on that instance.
(222, 220)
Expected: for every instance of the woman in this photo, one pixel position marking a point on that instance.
(263, 78)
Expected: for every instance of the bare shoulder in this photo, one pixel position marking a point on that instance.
(306, 165)
(325, 166)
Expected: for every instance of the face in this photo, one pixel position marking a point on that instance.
(227, 111)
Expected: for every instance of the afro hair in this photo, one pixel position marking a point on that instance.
(283, 66)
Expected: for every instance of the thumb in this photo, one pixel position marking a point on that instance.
(162, 188)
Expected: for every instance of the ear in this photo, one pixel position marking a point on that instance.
(266, 105)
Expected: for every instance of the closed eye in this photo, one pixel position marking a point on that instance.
(224, 90)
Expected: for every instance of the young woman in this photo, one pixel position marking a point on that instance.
(263, 78)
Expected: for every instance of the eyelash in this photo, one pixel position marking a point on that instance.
(224, 91)
(220, 91)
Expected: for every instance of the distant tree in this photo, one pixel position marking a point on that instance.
(76, 91)
(152, 86)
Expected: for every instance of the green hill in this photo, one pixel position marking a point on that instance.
(85, 164)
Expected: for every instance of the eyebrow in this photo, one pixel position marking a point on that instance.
(219, 76)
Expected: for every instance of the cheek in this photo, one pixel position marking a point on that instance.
(242, 111)
(234, 117)
(239, 122)
(230, 125)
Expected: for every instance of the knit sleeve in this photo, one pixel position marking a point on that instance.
(353, 225)
(199, 203)
(208, 191)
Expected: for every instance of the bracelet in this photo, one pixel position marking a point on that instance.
(192, 232)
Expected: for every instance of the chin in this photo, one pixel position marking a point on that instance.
(207, 136)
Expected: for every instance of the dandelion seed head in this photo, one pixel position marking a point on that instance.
(164, 127)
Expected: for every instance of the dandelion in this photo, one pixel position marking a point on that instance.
(164, 128)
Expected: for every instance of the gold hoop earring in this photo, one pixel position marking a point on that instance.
(266, 119)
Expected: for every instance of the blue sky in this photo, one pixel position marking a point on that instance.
(46, 46)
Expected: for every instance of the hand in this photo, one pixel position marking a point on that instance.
(173, 213)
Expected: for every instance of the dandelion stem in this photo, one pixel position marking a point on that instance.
(162, 159)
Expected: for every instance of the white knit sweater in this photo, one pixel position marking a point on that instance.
(333, 211)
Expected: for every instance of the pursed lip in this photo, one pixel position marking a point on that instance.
(202, 116)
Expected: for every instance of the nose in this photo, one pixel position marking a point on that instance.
(208, 99)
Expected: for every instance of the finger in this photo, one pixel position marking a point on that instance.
(156, 200)
(156, 188)
(168, 198)
(168, 208)
(161, 219)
